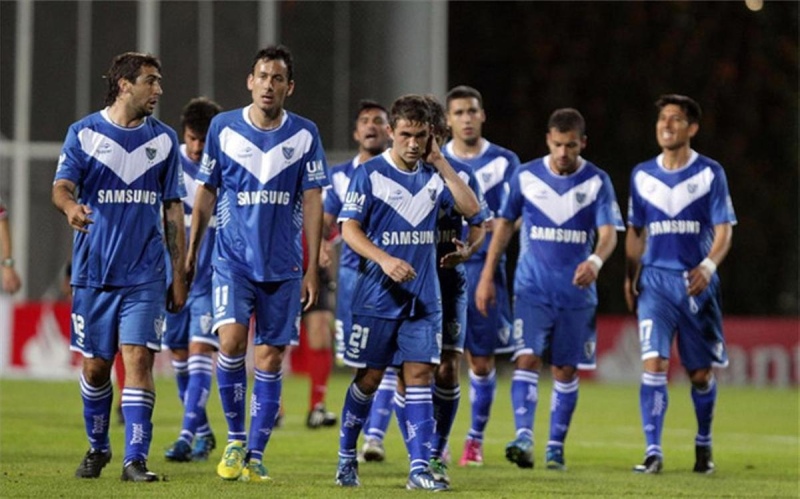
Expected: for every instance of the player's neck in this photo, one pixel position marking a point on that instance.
(265, 121)
(464, 149)
(124, 116)
(674, 159)
(401, 164)
(364, 156)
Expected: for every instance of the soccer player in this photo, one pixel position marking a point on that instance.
(267, 167)
(569, 221)
(485, 335)
(188, 333)
(680, 226)
(371, 133)
(389, 218)
(118, 168)
(11, 282)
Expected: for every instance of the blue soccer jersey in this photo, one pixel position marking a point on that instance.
(560, 215)
(340, 181)
(261, 176)
(123, 175)
(398, 212)
(493, 168)
(201, 285)
(679, 209)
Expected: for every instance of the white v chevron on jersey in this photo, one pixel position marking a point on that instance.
(559, 207)
(340, 182)
(412, 207)
(264, 165)
(191, 189)
(128, 166)
(673, 200)
(492, 173)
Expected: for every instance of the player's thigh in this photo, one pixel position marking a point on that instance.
(701, 343)
(658, 311)
(277, 313)
(141, 319)
(419, 339)
(371, 342)
(233, 298)
(93, 329)
(533, 326)
(346, 283)
(574, 338)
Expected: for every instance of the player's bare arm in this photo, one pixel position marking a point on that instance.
(465, 249)
(635, 240)
(588, 270)
(312, 225)
(700, 276)
(174, 234)
(397, 269)
(63, 197)
(204, 200)
(485, 293)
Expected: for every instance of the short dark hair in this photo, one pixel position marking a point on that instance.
(567, 119)
(367, 104)
(197, 114)
(464, 92)
(127, 66)
(438, 119)
(276, 53)
(688, 105)
(412, 108)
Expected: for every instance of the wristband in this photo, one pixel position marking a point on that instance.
(7, 262)
(596, 260)
(709, 265)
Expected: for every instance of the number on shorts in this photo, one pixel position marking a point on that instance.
(221, 297)
(78, 325)
(645, 330)
(518, 328)
(359, 337)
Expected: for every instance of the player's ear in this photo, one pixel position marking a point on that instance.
(250, 79)
(290, 91)
(693, 129)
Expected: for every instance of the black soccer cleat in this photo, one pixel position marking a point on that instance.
(136, 471)
(702, 460)
(319, 417)
(93, 463)
(652, 465)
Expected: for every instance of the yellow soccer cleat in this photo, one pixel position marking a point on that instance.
(232, 463)
(255, 471)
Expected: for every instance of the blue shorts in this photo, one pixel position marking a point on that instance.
(276, 306)
(346, 283)
(376, 342)
(104, 318)
(454, 309)
(487, 336)
(192, 323)
(665, 308)
(560, 336)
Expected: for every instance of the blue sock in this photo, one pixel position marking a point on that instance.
(232, 381)
(524, 396)
(381, 413)
(264, 407)
(197, 390)
(97, 412)
(400, 414)
(445, 405)
(704, 401)
(181, 368)
(137, 407)
(420, 423)
(482, 389)
(354, 413)
(562, 405)
(653, 404)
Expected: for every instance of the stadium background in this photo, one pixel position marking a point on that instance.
(611, 60)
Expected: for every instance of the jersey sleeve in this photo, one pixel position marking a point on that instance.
(332, 203)
(174, 187)
(721, 203)
(315, 174)
(209, 171)
(358, 200)
(71, 162)
(635, 206)
(511, 209)
(607, 207)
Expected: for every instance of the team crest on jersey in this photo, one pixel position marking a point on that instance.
(287, 152)
(486, 177)
(150, 152)
(432, 193)
(692, 188)
(580, 197)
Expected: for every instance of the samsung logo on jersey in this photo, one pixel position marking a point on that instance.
(408, 237)
(446, 236)
(558, 235)
(673, 227)
(105, 196)
(262, 197)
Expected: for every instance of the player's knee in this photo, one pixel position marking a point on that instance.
(528, 362)
(481, 366)
(564, 374)
(447, 372)
(96, 372)
(700, 378)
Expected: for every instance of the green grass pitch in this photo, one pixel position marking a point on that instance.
(755, 448)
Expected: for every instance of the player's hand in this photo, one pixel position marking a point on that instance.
(398, 269)
(309, 290)
(698, 280)
(460, 255)
(78, 217)
(176, 295)
(631, 294)
(585, 274)
(11, 280)
(432, 152)
(485, 296)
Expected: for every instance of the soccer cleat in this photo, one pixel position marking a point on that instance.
(439, 470)
(231, 465)
(319, 417)
(203, 445)
(554, 459)
(520, 452)
(347, 472)
(373, 450)
(652, 465)
(473, 453)
(424, 480)
(702, 460)
(255, 471)
(136, 471)
(93, 463)
(180, 452)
